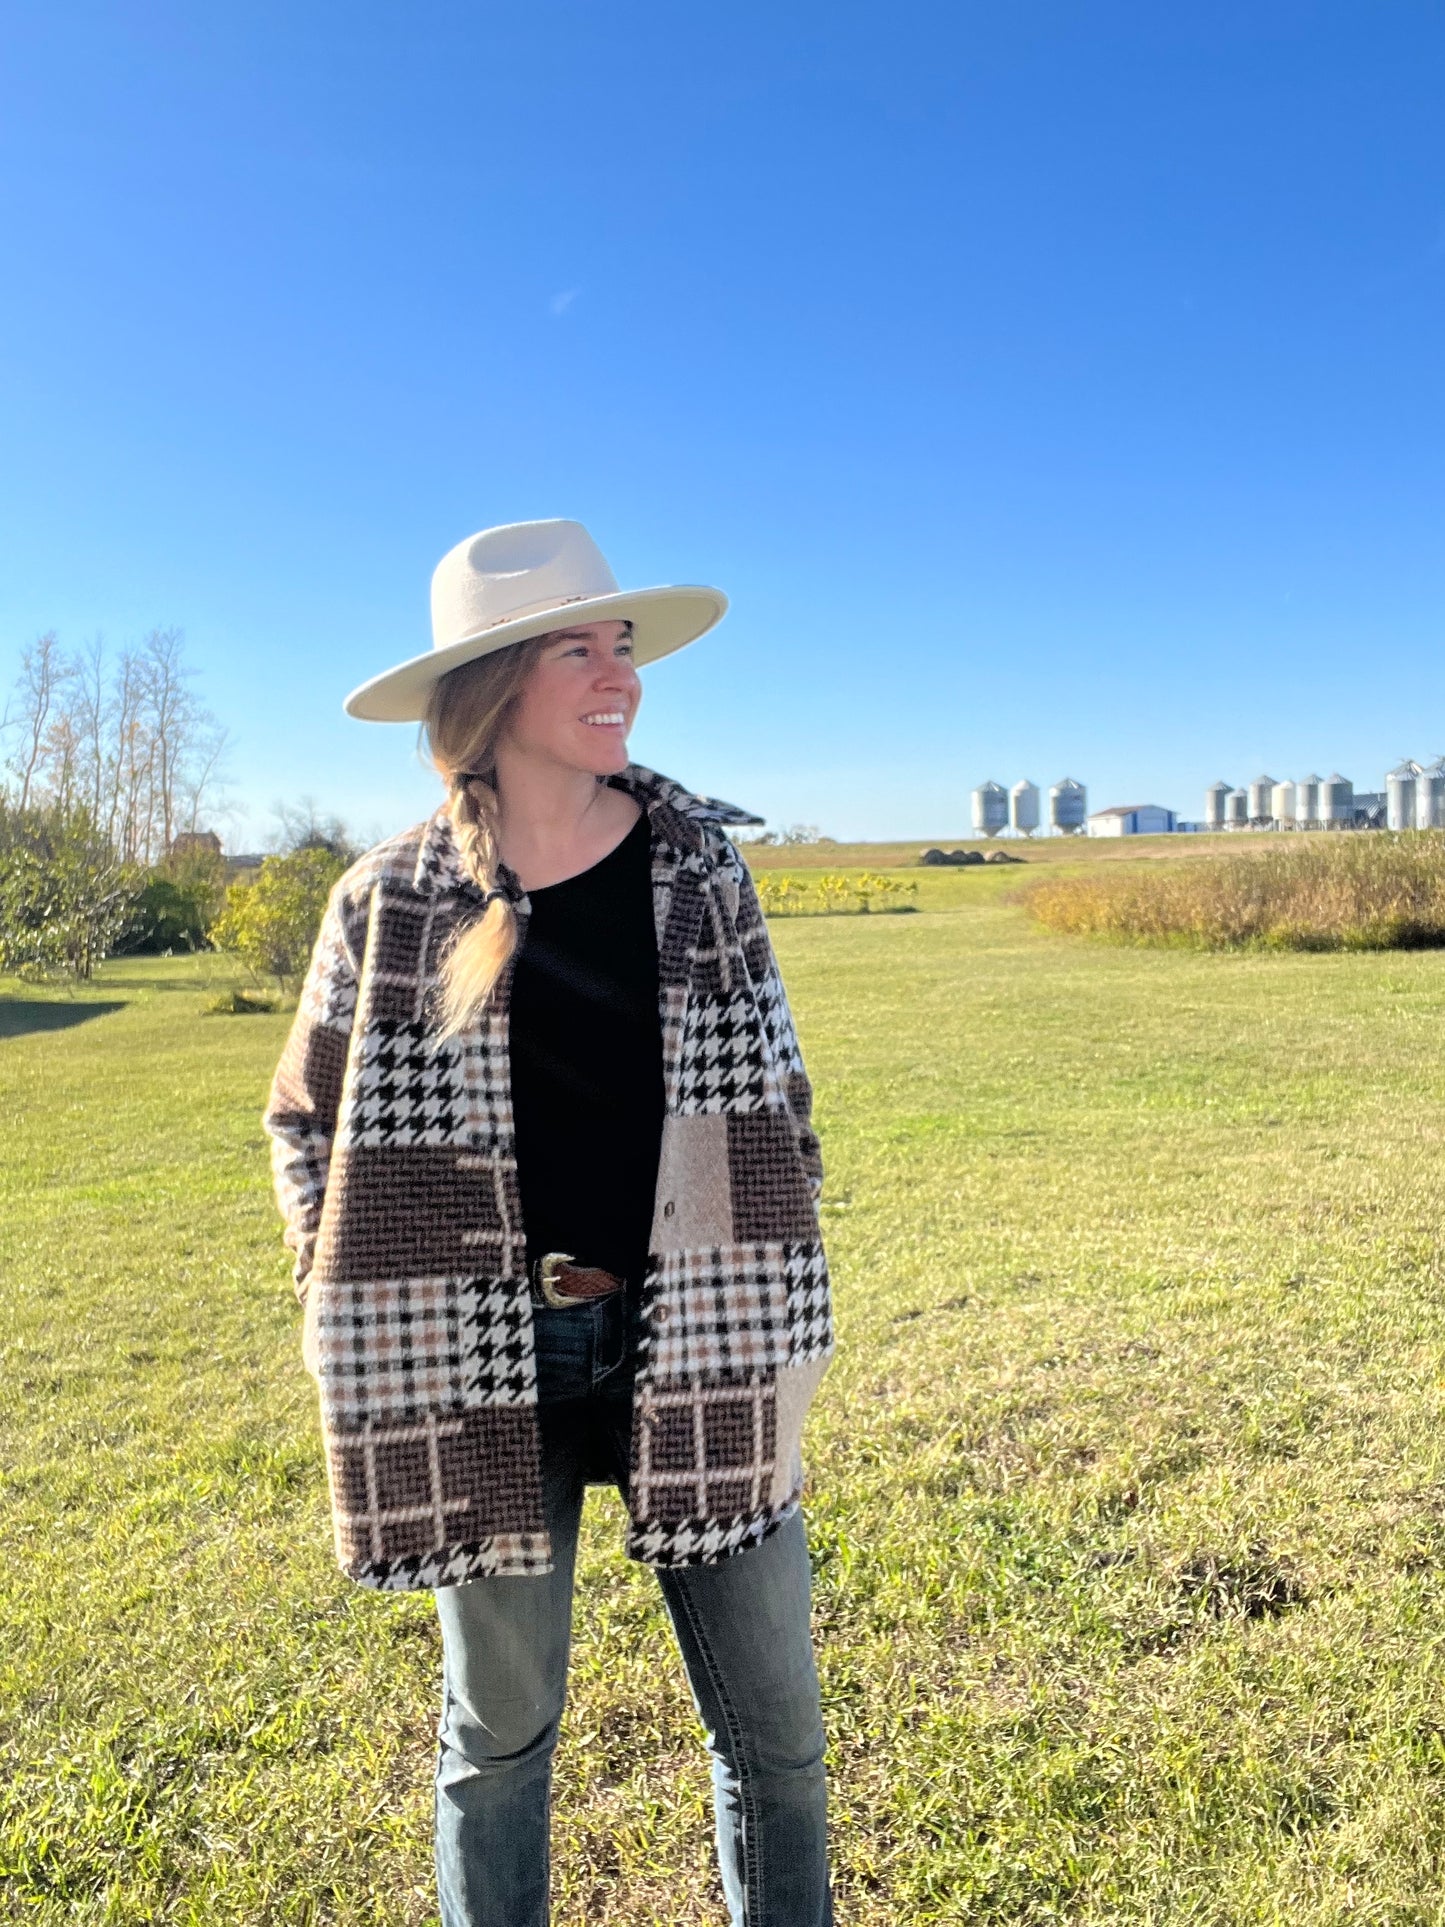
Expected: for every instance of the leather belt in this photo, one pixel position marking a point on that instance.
(559, 1282)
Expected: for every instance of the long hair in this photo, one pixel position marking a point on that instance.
(465, 718)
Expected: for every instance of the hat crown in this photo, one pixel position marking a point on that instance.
(520, 569)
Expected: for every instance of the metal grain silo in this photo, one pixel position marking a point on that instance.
(1260, 790)
(1068, 806)
(1402, 796)
(1281, 804)
(1307, 803)
(1337, 801)
(1023, 801)
(1430, 796)
(1236, 810)
(1214, 805)
(990, 808)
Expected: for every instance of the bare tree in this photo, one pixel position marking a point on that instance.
(130, 814)
(303, 827)
(171, 716)
(202, 769)
(44, 673)
(90, 712)
(187, 744)
(60, 754)
(127, 738)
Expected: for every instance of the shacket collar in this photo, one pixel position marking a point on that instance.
(677, 819)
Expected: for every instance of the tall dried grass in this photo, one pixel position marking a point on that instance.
(1371, 891)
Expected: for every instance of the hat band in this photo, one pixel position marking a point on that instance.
(525, 609)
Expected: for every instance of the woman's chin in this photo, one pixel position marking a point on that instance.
(604, 757)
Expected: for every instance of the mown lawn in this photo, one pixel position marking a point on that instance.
(1128, 1484)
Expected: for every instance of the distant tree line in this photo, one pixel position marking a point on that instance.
(787, 836)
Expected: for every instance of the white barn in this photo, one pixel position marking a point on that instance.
(1132, 819)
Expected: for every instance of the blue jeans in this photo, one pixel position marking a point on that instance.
(742, 1626)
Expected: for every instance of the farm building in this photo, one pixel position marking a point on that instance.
(195, 842)
(1132, 819)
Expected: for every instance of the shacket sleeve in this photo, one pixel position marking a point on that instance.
(762, 965)
(300, 1114)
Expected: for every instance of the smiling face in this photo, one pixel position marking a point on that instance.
(579, 699)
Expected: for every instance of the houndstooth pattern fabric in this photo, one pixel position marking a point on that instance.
(395, 1350)
(724, 1064)
(404, 1089)
(395, 1164)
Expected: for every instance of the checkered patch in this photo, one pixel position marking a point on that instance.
(394, 1350)
(486, 1080)
(715, 1312)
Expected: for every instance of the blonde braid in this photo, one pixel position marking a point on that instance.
(482, 950)
(466, 715)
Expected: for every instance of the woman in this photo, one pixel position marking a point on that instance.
(542, 1142)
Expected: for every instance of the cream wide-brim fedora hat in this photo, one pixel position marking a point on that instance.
(509, 584)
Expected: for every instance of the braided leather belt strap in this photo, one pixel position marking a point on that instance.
(562, 1283)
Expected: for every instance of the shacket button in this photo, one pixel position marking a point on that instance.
(669, 1208)
(661, 1315)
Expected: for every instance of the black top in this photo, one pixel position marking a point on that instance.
(586, 1053)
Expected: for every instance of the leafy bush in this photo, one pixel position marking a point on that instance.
(270, 921)
(1372, 891)
(834, 894)
(179, 902)
(65, 897)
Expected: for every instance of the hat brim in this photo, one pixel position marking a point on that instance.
(662, 620)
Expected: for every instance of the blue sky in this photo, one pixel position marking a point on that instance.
(1052, 387)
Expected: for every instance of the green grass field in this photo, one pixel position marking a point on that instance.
(1128, 1485)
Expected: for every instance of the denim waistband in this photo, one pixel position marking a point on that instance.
(581, 1346)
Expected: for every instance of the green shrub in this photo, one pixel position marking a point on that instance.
(64, 895)
(180, 899)
(270, 921)
(1372, 891)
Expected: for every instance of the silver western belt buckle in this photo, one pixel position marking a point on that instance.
(547, 1268)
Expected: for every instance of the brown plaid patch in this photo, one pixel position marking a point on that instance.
(398, 1491)
(398, 934)
(692, 1443)
(324, 1068)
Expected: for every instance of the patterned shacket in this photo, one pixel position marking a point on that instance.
(395, 1165)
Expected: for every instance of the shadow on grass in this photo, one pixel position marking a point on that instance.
(19, 1016)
